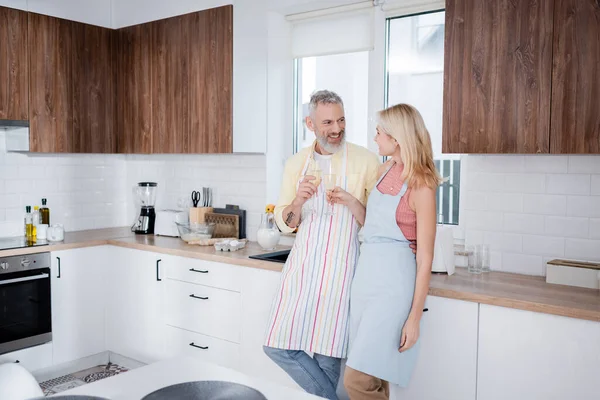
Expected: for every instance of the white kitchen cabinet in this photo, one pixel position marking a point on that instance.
(525, 355)
(258, 291)
(135, 305)
(32, 358)
(78, 291)
(447, 364)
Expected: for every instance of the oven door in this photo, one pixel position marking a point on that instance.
(25, 317)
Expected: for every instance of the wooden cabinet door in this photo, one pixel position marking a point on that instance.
(211, 78)
(575, 127)
(14, 70)
(192, 75)
(50, 84)
(93, 90)
(133, 125)
(497, 76)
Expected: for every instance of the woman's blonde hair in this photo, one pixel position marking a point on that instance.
(404, 123)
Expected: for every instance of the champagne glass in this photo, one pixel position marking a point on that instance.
(314, 170)
(329, 181)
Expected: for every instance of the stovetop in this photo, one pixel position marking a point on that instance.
(18, 243)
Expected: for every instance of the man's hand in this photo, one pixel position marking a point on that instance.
(413, 246)
(306, 190)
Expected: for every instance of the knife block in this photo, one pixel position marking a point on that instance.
(198, 214)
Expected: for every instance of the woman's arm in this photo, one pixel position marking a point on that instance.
(423, 201)
(340, 196)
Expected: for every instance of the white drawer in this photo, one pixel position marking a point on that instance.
(32, 359)
(207, 273)
(206, 348)
(203, 309)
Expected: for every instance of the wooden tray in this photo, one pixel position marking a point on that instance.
(227, 226)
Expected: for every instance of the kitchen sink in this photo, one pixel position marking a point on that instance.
(278, 256)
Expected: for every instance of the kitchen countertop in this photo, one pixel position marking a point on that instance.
(523, 292)
(137, 383)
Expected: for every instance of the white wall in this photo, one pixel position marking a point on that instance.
(531, 209)
(94, 12)
(83, 191)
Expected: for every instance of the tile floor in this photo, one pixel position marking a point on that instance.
(76, 379)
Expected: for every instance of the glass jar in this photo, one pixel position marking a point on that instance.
(268, 234)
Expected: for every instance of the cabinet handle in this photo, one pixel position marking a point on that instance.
(198, 297)
(199, 271)
(158, 270)
(58, 276)
(198, 347)
(425, 309)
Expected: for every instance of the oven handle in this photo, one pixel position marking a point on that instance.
(25, 279)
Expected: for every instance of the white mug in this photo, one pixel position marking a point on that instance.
(56, 233)
(42, 231)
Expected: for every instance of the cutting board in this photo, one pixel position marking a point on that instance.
(226, 226)
(234, 210)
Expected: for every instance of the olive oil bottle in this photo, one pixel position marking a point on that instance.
(45, 213)
(29, 224)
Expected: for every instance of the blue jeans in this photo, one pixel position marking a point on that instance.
(318, 375)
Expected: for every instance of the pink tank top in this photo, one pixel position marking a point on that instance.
(405, 216)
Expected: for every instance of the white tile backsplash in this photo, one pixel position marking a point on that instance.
(549, 207)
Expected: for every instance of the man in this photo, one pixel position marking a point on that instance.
(310, 312)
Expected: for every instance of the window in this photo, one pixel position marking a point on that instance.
(415, 75)
(347, 75)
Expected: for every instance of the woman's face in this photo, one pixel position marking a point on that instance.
(387, 144)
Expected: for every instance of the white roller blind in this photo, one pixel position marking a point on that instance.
(406, 7)
(343, 32)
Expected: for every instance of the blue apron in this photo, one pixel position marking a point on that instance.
(382, 294)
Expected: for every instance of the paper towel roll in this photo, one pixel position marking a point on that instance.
(443, 257)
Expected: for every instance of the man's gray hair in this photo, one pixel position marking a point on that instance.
(323, 97)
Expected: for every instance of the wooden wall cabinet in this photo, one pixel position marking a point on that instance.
(575, 123)
(522, 77)
(14, 68)
(50, 84)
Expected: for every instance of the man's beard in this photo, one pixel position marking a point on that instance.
(331, 148)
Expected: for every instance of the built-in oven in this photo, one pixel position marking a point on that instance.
(25, 314)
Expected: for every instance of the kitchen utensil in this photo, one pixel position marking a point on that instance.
(227, 225)
(192, 232)
(443, 255)
(145, 196)
(235, 210)
(198, 214)
(165, 222)
(196, 198)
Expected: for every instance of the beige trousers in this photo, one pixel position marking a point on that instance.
(361, 386)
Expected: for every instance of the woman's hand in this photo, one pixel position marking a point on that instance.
(340, 196)
(410, 334)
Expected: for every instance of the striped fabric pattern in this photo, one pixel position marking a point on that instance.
(311, 309)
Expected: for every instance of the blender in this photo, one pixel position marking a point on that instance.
(145, 194)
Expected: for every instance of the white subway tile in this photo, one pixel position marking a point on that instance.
(504, 163)
(584, 164)
(572, 184)
(495, 260)
(30, 172)
(483, 220)
(524, 223)
(547, 163)
(482, 182)
(524, 183)
(595, 228)
(522, 264)
(546, 204)
(569, 227)
(498, 241)
(473, 237)
(2, 214)
(583, 206)
(475, 201)
(10, 201)
(509, 202)
(18, 186)
(583, 249)
(544, 245)
(595, 190)
(14, 214)
(9, 172)
(46, 186)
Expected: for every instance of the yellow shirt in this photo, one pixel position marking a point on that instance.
(362, 167)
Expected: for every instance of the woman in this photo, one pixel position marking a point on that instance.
(390, 287)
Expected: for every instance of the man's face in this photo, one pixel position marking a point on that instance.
(329, 124)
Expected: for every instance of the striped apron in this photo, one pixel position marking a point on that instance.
(311, 309)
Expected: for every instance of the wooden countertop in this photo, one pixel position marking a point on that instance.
(495, 288)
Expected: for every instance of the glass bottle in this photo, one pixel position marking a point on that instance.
(28, 224)
(45, 213)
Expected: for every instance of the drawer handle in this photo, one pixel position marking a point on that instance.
(198, 347)
(198, 297)
(199, 271)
